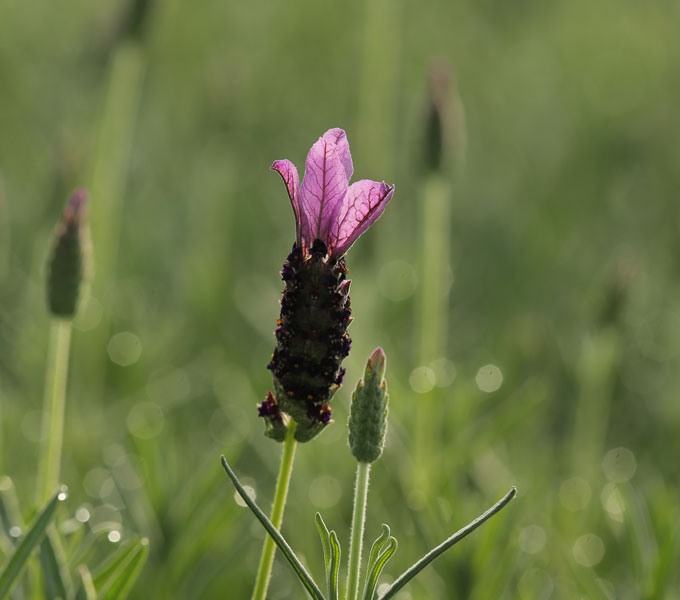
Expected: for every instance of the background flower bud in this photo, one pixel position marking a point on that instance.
(67, 267)
(368, 412)
(444, 123)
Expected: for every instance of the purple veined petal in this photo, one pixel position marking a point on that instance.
(364, 203)
(322, 192)
(339, 138)
(290, 177)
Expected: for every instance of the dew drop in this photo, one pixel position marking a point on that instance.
(422, 380)
(124, 348)
(532, 539)
(489, 378)
(83, 515)
(114, 536)
(619, 465)
(251, 494)
(588, 550)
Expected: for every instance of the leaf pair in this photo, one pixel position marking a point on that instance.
(381, 551)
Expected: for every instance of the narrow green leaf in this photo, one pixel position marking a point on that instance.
(126, 577)
(72, 538)
(377, 546)
(10, 515)
(55, 573)
(373, 572)
(83, 552)
(387, 550)
(324, 534)
(104, 574)
(86, 591)
(333, 589)
(18, 560)
(414, 569)
(306, 579)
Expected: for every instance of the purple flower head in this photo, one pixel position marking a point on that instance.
(327, 208)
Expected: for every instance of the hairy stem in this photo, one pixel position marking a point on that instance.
(357, 535)
(53, 411)
(267, 557)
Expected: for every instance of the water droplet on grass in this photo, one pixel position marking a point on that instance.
(124, 349)
(489, 378)
(588, 550)
(422, 380)
(619, 465)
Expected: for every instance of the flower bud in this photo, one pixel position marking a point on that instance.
(368, 412)
(268, 409)
(444, 126)
(67, 267)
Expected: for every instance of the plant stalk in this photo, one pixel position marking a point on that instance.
(267, 558)
(357, 536)
(53, 411)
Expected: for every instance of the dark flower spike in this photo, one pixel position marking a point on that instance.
(311, 334)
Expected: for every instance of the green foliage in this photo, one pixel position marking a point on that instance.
(307, 581)
(381, 551)
(564, 252)
(19, 557)
(331, 557)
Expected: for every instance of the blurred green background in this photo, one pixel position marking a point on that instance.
(533, 336)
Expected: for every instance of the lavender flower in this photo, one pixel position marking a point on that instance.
(312, 338)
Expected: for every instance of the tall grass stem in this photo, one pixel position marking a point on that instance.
(267, 558)
(54, 407)
(357, 535)
(432, 315)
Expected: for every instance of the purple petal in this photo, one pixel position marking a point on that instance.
(290, 177)
(322, 192)
(363, 205)
(339, 138)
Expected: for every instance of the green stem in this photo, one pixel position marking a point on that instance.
(267, 559)
(53, 412)
(432, 322)
(357, 536)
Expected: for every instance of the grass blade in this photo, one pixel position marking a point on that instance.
(104, 574)
(55, 573)
(86, 590)
(414, 569)
(18, 560)
(287, 551)
(125, 578)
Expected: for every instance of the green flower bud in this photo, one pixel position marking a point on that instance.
(368, 412)
(444, 124)
(68, 261)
